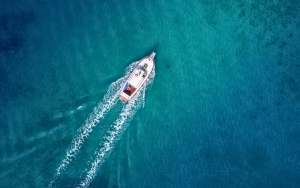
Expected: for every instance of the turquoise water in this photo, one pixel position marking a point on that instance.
(221, 109)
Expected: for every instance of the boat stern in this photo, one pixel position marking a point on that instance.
(123, 99)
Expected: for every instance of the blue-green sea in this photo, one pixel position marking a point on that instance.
(221, 108)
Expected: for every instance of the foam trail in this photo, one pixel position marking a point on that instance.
(5, 174)
(46, 133)
(109, 100)
(9, 160)
(120, 125)
(114, 135)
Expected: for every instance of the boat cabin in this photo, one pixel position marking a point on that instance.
(129, 89)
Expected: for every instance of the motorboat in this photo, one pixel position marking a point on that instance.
(137, 78)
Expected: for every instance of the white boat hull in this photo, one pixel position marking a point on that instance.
(137, 78)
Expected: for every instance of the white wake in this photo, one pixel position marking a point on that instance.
(109, 100)
(116, 131)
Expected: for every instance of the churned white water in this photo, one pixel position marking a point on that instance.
(109, 100)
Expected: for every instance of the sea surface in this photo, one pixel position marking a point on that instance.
(221, 109)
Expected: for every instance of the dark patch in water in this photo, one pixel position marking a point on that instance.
(11, 89)
(290, 84)
(12, 39)
(11, 43)
(242, 14)
(282, 45)
(272, 42)
(12, 28)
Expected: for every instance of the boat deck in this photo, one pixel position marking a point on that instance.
(137, 78)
